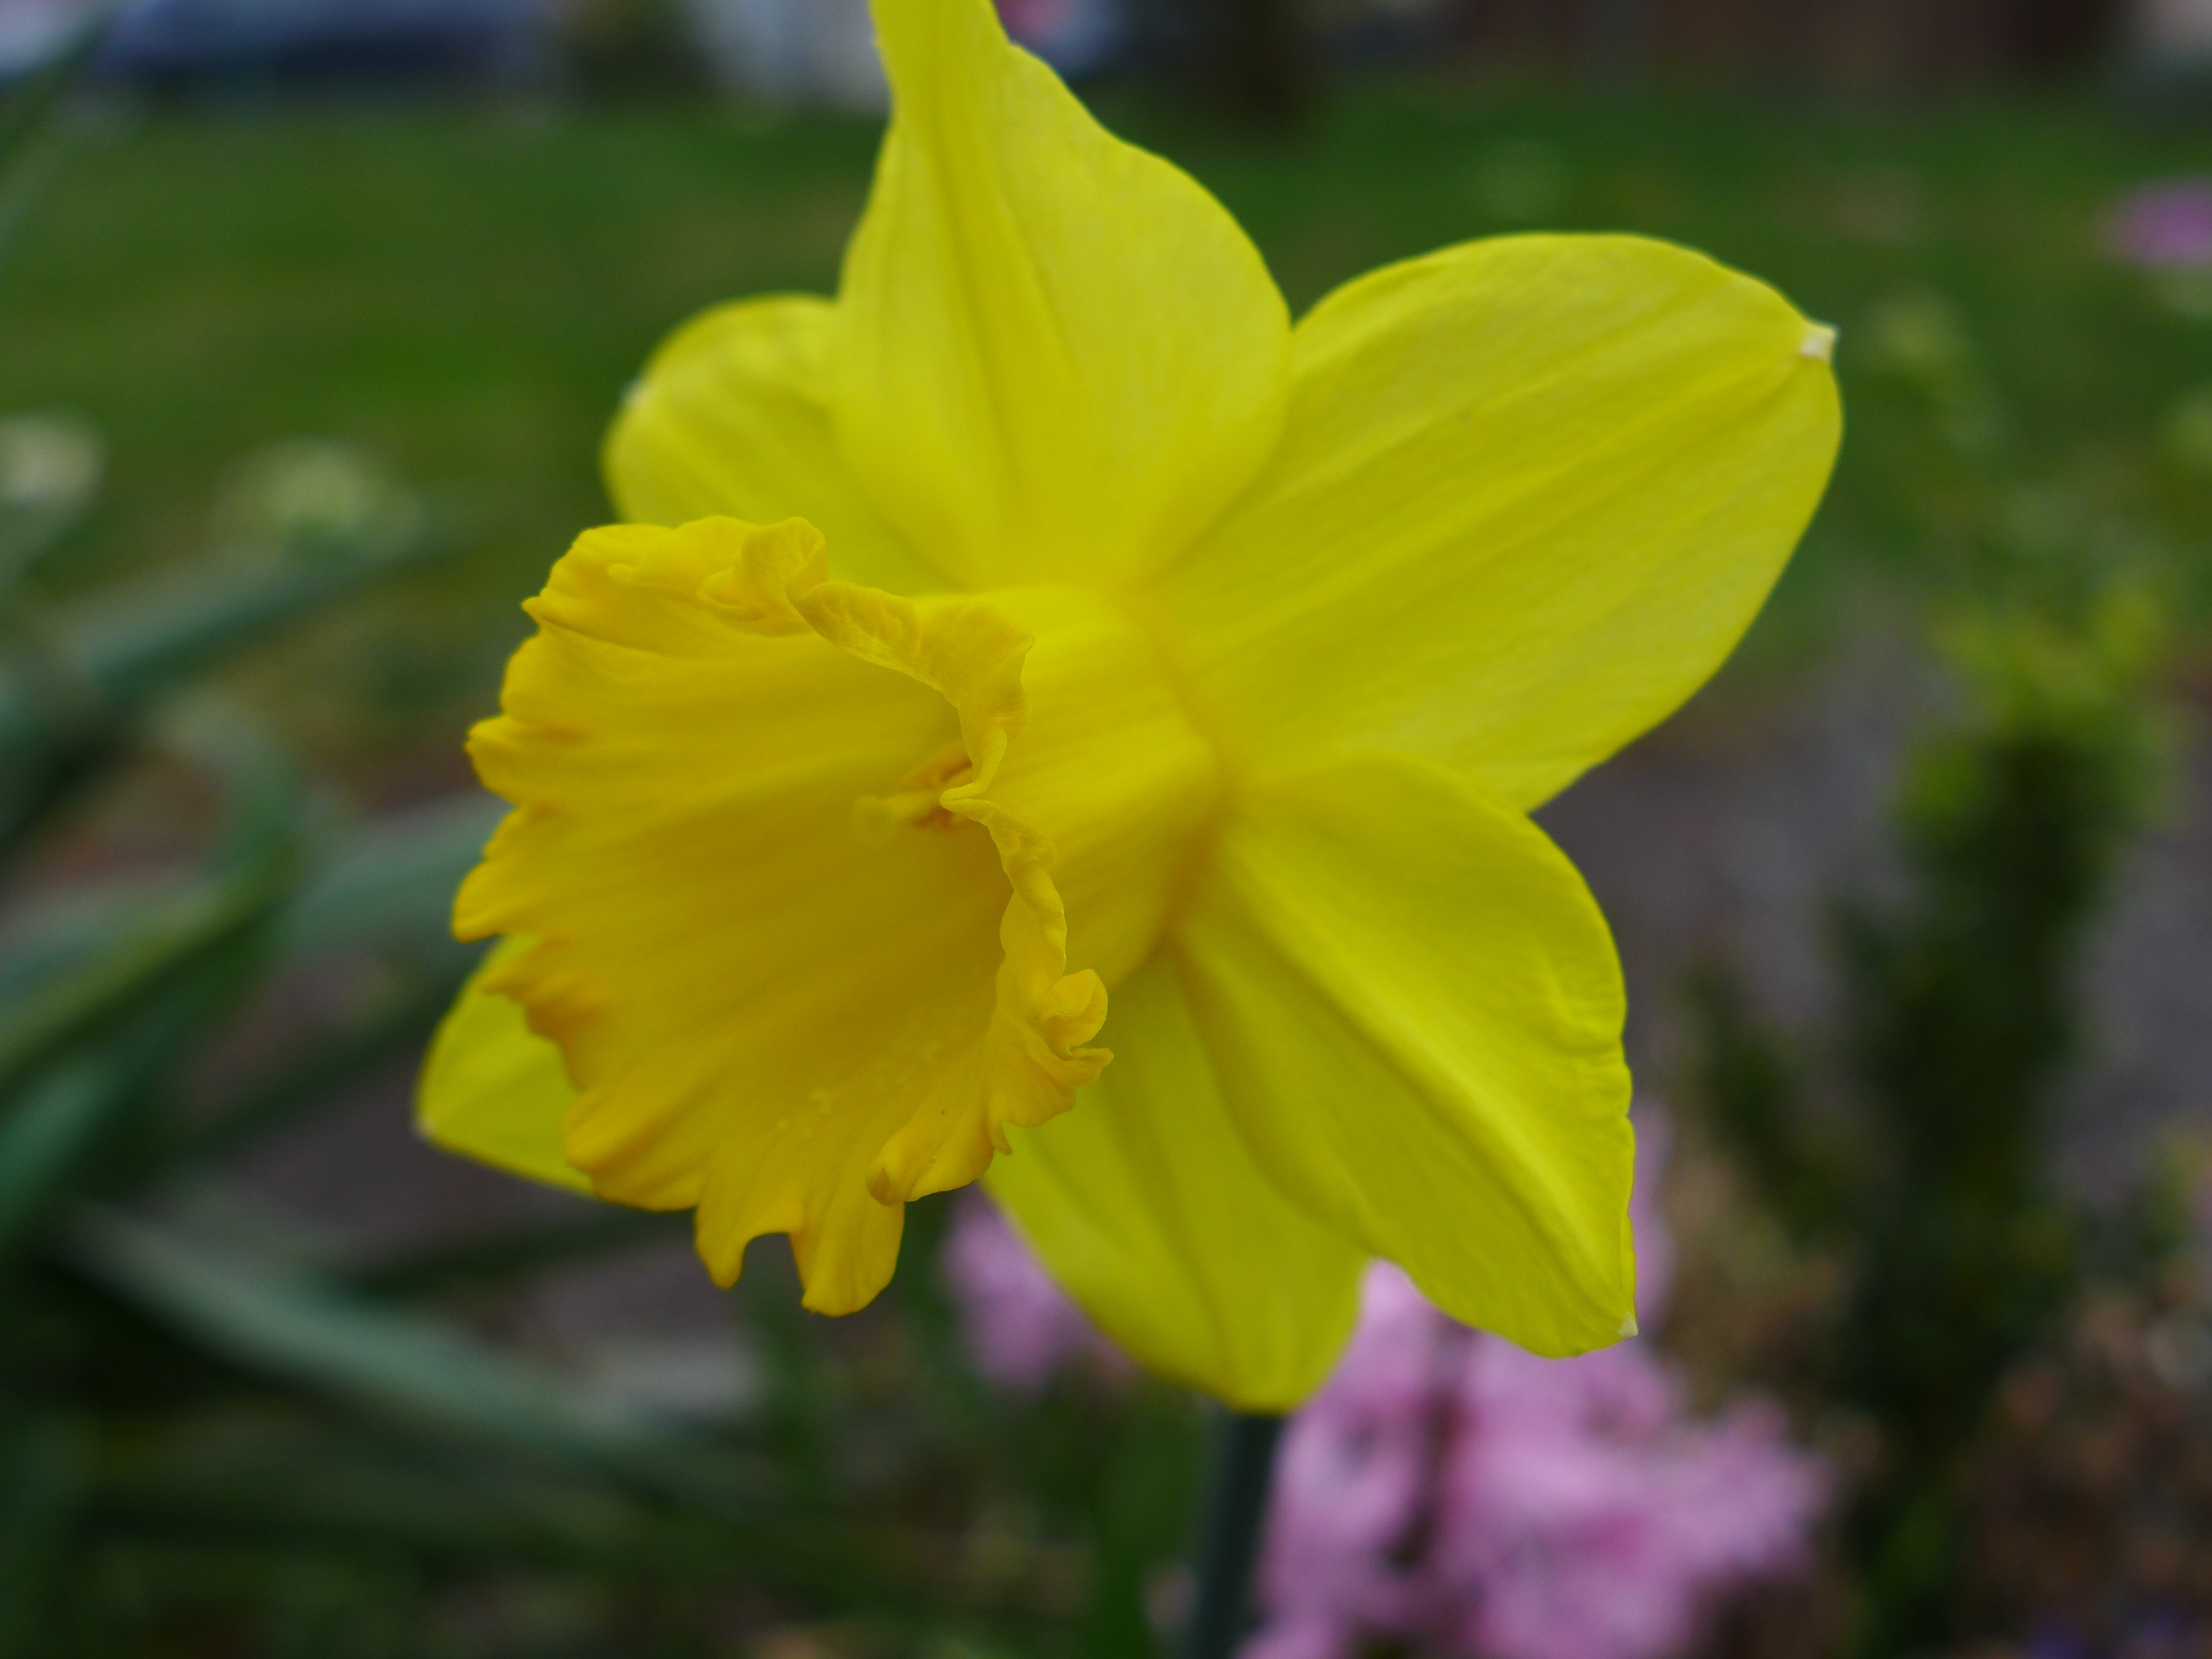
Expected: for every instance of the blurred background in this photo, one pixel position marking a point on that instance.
(314, 313)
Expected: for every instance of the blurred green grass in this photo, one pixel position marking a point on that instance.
(465, 292)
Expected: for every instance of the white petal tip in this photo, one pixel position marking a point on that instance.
(1819, 343)
(1628, 1327)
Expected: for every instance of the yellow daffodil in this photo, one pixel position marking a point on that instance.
(1056, 649)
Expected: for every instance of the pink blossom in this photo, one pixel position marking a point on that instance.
(1020, 1329)
(1349, 1493)
(2164, 226)
(1583, 1514)
(1447, 1490)
(1033, 22)
(1073, 35)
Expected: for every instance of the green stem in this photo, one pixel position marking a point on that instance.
(1244, 1461)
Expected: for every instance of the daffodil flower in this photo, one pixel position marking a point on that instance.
(1057, 652)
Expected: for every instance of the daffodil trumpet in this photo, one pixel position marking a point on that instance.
(1044, 654)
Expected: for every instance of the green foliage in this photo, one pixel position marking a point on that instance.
(1962, 1023)
(1919, 1152)
(1922, 1160)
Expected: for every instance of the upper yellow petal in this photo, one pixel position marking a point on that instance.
(1531, 493)
(492, 1090)
(1414, 1012)
(729, 420)
(1146, 1206)
(1056, 356)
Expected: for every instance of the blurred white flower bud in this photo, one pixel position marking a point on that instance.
(50, 471)
(309, 496)
(49, 464)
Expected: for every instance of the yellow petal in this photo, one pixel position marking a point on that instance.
(1415, 1011)
(495, 1090)
(728, 422)
(1530, 493)
(790, 851)
(1057, 357)
(1149, 1211)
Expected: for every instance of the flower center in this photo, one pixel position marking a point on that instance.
(1105, 784)
(916, 803)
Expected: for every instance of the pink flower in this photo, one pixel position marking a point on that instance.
(1033, 22)
(1073, 35)
(2164, 226)
(1351, 1483)
(1019, 1330)
(1448, 1491)
(1583, 1514)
